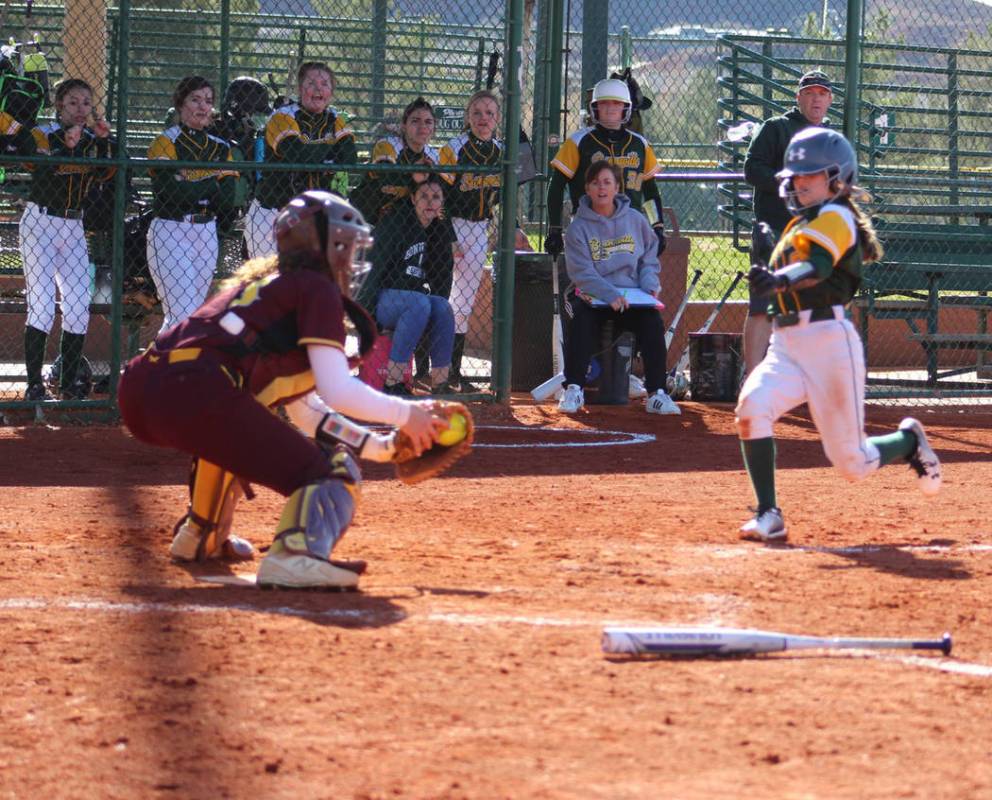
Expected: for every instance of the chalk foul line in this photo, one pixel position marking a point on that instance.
(471, 620)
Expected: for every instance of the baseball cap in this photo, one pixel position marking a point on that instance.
(815, 78)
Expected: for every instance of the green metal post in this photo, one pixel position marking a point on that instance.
(422, 57)
(952, 127)
(539, 130)
(225, 43)
(595, 32)
(766, 77)
(556, 43)
(112, 71)
(852, 70)
(503, 310)
(120, 198)
(380, 13)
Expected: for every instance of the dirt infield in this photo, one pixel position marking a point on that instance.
(469, 666)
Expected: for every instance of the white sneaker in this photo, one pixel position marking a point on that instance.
(637, 389)
(923, 460)
(572, 400)
(187, 541)
(768, 526)
(285, 570)
(661, 403)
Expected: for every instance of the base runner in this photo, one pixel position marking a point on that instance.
(815, 355)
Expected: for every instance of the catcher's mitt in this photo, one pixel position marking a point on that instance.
(411, 468)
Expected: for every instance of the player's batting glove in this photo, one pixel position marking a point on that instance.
(762, 244)
(659, 231)
(764, 282)
(554, 245)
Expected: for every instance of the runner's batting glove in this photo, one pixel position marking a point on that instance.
(659, 231)
(764, 282)
(554, 245)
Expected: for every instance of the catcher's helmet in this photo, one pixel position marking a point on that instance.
(611, 89)
(319, 230)
(814, 150)
(246, 97)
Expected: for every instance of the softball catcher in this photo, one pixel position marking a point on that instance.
(815, 355)
(53, 241)
(273, 337)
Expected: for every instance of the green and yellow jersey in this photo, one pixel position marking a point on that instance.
(628, 150)
(830, 242)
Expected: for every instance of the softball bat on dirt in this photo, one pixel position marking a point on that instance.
(742, 641)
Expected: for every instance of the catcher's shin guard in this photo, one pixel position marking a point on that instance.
(205, 531)
(313, 520)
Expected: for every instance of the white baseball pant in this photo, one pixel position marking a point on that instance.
(259, 224)
(54, 254)
(182, 258)
(820, 363)
(473, 239)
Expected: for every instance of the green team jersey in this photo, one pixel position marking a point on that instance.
(628, 150)
(295, 135)
(66, 186)
(830, 241)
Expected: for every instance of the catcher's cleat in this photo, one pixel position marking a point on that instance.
(768, 526)
(923, 459)
(286, 570)
(661, 403)
(636, 388)
(187, 541)
(572, 400)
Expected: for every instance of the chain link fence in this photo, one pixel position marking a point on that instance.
(712, 73)
(128, 195)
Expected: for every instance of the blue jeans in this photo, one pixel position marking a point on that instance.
(409, 314)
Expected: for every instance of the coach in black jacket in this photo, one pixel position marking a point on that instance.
(763, 160)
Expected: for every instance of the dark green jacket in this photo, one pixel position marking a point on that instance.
(764, 158)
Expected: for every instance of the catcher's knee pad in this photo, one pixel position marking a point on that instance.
(316, 516)
(206, 528)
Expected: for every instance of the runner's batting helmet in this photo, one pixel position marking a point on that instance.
(319, 230)
(815, 150)
(611, 89)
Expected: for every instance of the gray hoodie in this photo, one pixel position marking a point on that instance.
(603, 253)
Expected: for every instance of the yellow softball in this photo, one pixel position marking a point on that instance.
(455, 432)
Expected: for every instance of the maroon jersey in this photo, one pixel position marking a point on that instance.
(283, 313)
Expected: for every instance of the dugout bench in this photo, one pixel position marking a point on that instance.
(929, 267)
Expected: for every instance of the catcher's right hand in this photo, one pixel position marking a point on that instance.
(413, 466)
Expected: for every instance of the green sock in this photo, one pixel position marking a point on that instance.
(34, 352)
(892, 446)
(759, 459)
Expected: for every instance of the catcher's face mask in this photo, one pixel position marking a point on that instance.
(318, 230)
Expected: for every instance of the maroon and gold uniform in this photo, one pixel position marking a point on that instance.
(235, 379)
